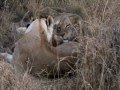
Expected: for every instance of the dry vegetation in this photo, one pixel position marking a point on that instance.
(99, 58)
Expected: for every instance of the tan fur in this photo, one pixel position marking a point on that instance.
(56, 40)
(65, 25)
(34, 53)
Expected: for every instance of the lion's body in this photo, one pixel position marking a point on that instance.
(34, 53)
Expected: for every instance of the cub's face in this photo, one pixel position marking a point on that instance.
(67, 32)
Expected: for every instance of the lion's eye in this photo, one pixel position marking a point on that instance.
(67, 26)
(58, 30)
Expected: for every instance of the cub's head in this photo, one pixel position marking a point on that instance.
(65, 26)
(67, 32)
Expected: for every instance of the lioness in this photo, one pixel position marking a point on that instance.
(34, 53)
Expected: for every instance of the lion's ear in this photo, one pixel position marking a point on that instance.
(50, 21)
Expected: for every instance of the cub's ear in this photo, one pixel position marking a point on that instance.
(50, 21)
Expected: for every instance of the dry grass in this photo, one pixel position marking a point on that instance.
(99, 67)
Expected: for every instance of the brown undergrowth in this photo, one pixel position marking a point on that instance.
(98, 66)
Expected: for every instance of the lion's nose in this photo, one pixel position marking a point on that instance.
(62, 34)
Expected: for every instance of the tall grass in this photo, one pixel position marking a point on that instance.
(98, 66)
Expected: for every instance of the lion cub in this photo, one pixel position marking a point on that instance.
(65, 26)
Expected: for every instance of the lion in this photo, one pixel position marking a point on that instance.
(64, 26)
(34, 53)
